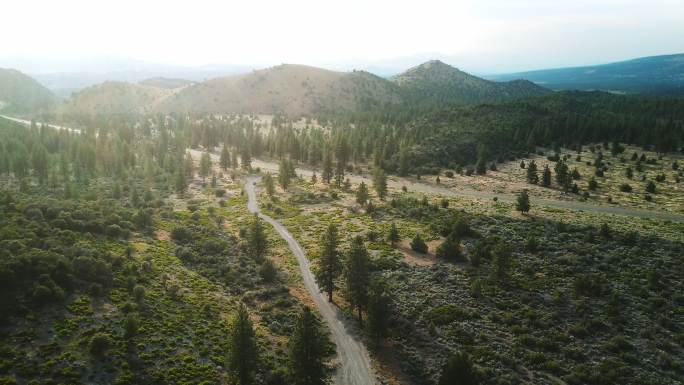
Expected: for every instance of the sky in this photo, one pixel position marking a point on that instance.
(481, 36)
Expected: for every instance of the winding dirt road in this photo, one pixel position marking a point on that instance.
(355, 365)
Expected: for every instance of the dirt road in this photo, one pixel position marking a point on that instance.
(355, 366)
(397, 183)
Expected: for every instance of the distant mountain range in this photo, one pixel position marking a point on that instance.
(296, 90)
(655, 75)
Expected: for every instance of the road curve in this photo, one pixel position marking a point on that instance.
(354, 361)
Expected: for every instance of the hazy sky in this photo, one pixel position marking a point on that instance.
(482, 36)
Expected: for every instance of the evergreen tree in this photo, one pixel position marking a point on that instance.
(269, 185)
(224, 160)
(523, 202)
(39, 159)
(357, 275)
(307, 351)
(242, 357)
(246, 158)
(257, 239)
(284, 173)
(362, 194)
(450, 249)
(561, 173)
(393, 235)
(459, 370)
(189, 166)
(326, 175)
(501, 253)
(205, 165)
(417, 244)
(532, 177)
(546, 176)
(329, 265)
(403, 161)
(379, 311)
(180, 184)
(481, 165)
(380, 182)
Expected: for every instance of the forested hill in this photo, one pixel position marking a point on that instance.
(566, 118)
(655, 75)
(21, 93)
(436, 83)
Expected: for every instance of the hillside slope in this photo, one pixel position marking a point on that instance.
(437, 83)
(288, 89)
(662, 75)
(115, 98)
(21, 93)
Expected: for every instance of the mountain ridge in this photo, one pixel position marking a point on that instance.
(659, 75)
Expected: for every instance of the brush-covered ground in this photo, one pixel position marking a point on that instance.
(584, 299)
(666, 171)
(129, 288)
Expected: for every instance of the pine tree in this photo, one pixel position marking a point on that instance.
(523, 202)
(39, 159)
(189, 166)
(450, 249)
(417, 244)
(379, 311)
(380, 182)
(403, 161)
(326, 175)
(459, 370)
(284, 173)
(307, 351)
(546, 176)
(532, 177)
(393, 235)
(362, 194)
(257, 239)
(501, 253)
(246, 158)
(481, 166)
(180, 184)
(269, 185)
(329, 265)
(224, 160)
(357, 276)
(205, 165)
(242, 357)
(561, 173)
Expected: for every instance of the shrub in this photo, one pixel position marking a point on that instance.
(450, 249)
(589, 284)
(417, 244)
(181, 235)
(99, 344)
(268, 271)
(219, 192)
(625, 187)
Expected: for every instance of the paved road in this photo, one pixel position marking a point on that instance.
(355, 365)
